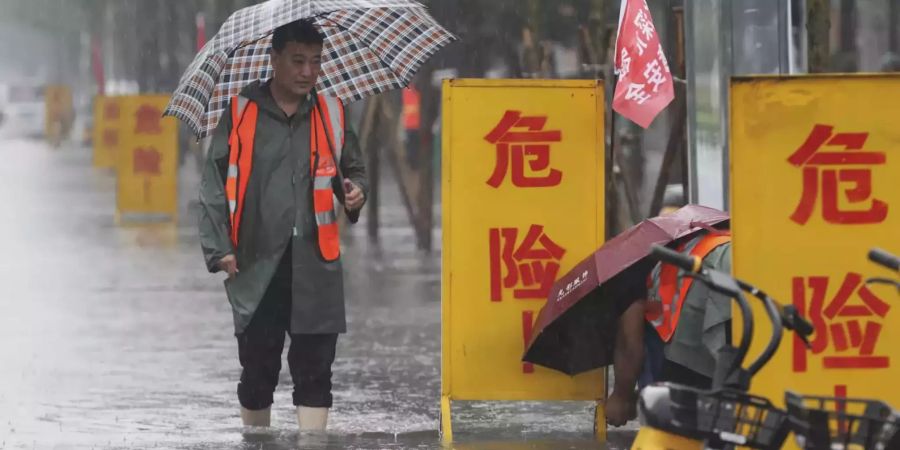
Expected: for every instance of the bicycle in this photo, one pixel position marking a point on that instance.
(680, 418)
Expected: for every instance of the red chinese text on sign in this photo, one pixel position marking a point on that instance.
(517, 137)
(148, 120)
(846, 328)
(644, 85)
(111, 138)
(146, 161)
(530, 265)
(844, 162)
(111, 111)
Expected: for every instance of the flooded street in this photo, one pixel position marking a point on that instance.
(116, 337)
(567, 140)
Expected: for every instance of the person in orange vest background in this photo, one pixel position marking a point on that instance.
(673, 329)
(412, 120)
(278, 158)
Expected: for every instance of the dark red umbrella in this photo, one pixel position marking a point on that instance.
(576, 328)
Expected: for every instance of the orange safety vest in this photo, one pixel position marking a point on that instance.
(668, 287)
(326, 133)
(412, 114)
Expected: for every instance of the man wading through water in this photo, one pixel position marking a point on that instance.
(278, 158)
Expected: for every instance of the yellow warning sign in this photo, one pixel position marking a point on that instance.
(523, 187)
(147, 164)
(814, 167)
(107, 133)
(59, 113)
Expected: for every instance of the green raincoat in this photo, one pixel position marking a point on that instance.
(278, 208)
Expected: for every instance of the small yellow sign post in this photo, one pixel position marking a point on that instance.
(147, 163)
(59, 112)
(815, 164)
(107, 133)
(523, 187)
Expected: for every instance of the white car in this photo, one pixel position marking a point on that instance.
(22, 109)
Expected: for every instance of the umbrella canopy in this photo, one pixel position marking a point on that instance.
(371, 46)
(576, 328)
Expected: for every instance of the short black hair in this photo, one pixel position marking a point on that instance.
(303, 31)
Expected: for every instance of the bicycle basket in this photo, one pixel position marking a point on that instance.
(671, 408)
(730, 417)
(721, 418)
(831, 423)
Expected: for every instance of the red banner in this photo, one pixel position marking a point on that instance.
(644, 85)
(201, 31)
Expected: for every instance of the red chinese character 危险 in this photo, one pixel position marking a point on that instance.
(530, 266)
(111, 111)
(830, 168)
(847, 327)
(149, 120)
(517, 137)
(146, 161)
(110, 138)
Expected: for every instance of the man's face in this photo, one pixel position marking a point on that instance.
(296, 67)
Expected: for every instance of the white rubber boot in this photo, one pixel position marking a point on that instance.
(312, 419)
(261, 418)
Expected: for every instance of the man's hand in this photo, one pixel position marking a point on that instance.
(354, 198)
(628, 358)
(620, 408)
(228, 264)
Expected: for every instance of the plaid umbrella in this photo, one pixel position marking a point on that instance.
(371, 46)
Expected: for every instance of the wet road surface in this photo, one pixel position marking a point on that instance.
(116, 337)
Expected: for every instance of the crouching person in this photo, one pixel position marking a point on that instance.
(674, 331)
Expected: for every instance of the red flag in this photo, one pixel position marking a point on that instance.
(645, 83)
(201, 31)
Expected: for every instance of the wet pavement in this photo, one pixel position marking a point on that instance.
(116, 337)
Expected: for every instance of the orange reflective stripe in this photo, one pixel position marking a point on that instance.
(706, 245)
(320, 140)
(329, 241)
(669, 282)
(412, 116)
(240, 157)
(323, 200)
(323, 166)
(231, 181)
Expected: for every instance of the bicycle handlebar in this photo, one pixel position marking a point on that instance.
(780, 316)
(788, 314)
(884, 258)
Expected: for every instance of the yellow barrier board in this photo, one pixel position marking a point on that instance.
(523, 202)
(147, 165)
(107, 137)
(815, 164)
